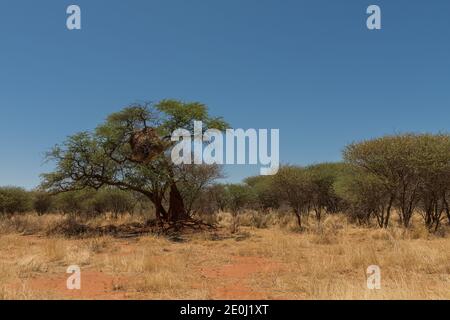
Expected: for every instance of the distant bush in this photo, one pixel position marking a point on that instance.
(74, 202)
(266, 194)
(92, 202)
(211, 200)
(111, 200)
(42, 202)
(14, 200)
(365, 198)
(237, 198)
(87, 203)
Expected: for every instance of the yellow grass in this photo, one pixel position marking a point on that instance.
(327, 261)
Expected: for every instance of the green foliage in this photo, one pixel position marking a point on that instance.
(311, 188)
(412, 172)
(14, 200)
(106, 157)
(42, 202)
(364, 197)
(74, 202)
(323, 179)
(238, 197)
(265, 191)
(112, 200)
(211, 200)
(195, 180)
(178, 114)
(92, 202)
(292, 185)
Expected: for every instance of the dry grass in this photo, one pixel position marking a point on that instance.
(268, 258)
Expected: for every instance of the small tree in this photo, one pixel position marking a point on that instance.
(112, 200)
(365, 197)
(76, 202)
(14, 200)
(389, 159)
(238, 197)
(433, 169)
(263, 187)
(293, 186)
(212, 199)
(42, 202)
(322, 179)
(194, 180)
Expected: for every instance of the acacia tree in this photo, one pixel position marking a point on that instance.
(387, 159)
(42, 202)
(365, 197)
(131, 151)
(238, 197)
(412, 169)
(14, 200)
(433, 168)
(293, 186)
(321, 180)
(267, 196)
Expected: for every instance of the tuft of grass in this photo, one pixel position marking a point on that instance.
(54, 250)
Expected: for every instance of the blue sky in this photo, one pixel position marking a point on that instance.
(310, 68)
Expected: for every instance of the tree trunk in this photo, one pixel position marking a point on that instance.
(447, 209)
(177, 210)
(318, 212)
(388, 212)
(407, 218)
(298, 214)
(161, 213)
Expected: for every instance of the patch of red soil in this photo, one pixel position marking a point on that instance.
(94, 286)
(236, 278)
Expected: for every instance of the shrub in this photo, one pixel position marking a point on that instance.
(238, 197)
(211, 200)
(112, 200)
(293, 186)
(14, 200)
(42, 202)
(74, 202)
(264, 189)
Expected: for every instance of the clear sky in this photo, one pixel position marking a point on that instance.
(310, 68)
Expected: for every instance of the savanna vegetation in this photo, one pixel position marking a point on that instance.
(390, 194)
